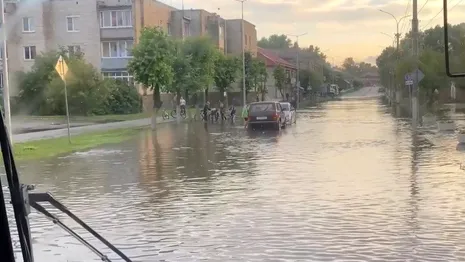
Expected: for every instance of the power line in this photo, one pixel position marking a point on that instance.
(406, 11)
(456, 4)
(442, 9)
(431, 20)
(423, 6)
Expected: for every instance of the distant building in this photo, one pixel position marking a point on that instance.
(272, 60)
(234, 37)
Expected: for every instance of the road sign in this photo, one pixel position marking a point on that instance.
(416, 76)
(419, 74)
(408, 79)
(61, 68)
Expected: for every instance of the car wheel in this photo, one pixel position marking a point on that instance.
(278, 126)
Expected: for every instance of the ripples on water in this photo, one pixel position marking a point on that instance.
(348, 183)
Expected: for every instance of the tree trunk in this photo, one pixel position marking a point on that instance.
(206, 95)
(222, 94)
(156, 105)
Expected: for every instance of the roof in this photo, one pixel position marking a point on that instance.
(272, 59)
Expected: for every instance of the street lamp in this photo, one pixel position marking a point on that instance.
(244, 98)
(297, 82)
(6, 86)
(398, 94)
(397, 25)
(390, 36)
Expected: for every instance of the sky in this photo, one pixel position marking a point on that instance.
(341, 28)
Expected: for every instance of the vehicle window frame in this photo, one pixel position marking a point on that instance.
(252, 106)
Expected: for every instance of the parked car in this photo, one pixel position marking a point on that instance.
(289, 112)
(266, 114)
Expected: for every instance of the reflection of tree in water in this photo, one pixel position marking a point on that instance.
(196, 158)
(154, 169)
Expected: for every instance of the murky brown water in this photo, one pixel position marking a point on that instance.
(348, 183)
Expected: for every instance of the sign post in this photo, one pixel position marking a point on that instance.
(62, 68)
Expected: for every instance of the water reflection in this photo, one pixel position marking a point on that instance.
(349, 182)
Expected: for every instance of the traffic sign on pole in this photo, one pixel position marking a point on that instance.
(62, 68)
(408, 79)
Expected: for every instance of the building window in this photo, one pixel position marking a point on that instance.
(245, 39)
(29, 52)
(120, 75)
(168, 27)
(117, 48)
(250, 40)
(28, 25)
(72, 23)
(74, 50)
(113, 19)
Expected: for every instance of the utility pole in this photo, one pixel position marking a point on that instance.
(244, 98)
(297, 80)
(6, 83)
(415, 111)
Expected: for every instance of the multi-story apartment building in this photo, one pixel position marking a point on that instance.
(198, 22)
(116, 37)
(106, 30)
(38, 27)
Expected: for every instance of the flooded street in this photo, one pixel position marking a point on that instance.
(349, 182)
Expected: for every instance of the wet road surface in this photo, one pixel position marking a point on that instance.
(349, 182)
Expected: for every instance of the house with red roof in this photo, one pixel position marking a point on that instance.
(272, 60)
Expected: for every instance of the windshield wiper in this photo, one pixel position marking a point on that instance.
(21, 201)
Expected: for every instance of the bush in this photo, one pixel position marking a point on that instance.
(122, 99)
(41, 91)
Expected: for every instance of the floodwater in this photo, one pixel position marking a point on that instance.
(349, 182)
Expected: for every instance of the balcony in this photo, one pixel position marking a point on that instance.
(116, 63)
(117, 32)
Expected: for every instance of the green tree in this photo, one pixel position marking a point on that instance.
(304, 79)
(280, 79)
(32, 84)
(41, 89)
(204, 55)
(275, 41)
(183, 74)
(262, 78)
(226, 72)
(151, 64)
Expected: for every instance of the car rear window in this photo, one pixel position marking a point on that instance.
(285, 106)
(263, 108)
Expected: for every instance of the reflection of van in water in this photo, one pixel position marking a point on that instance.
(333, 90)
